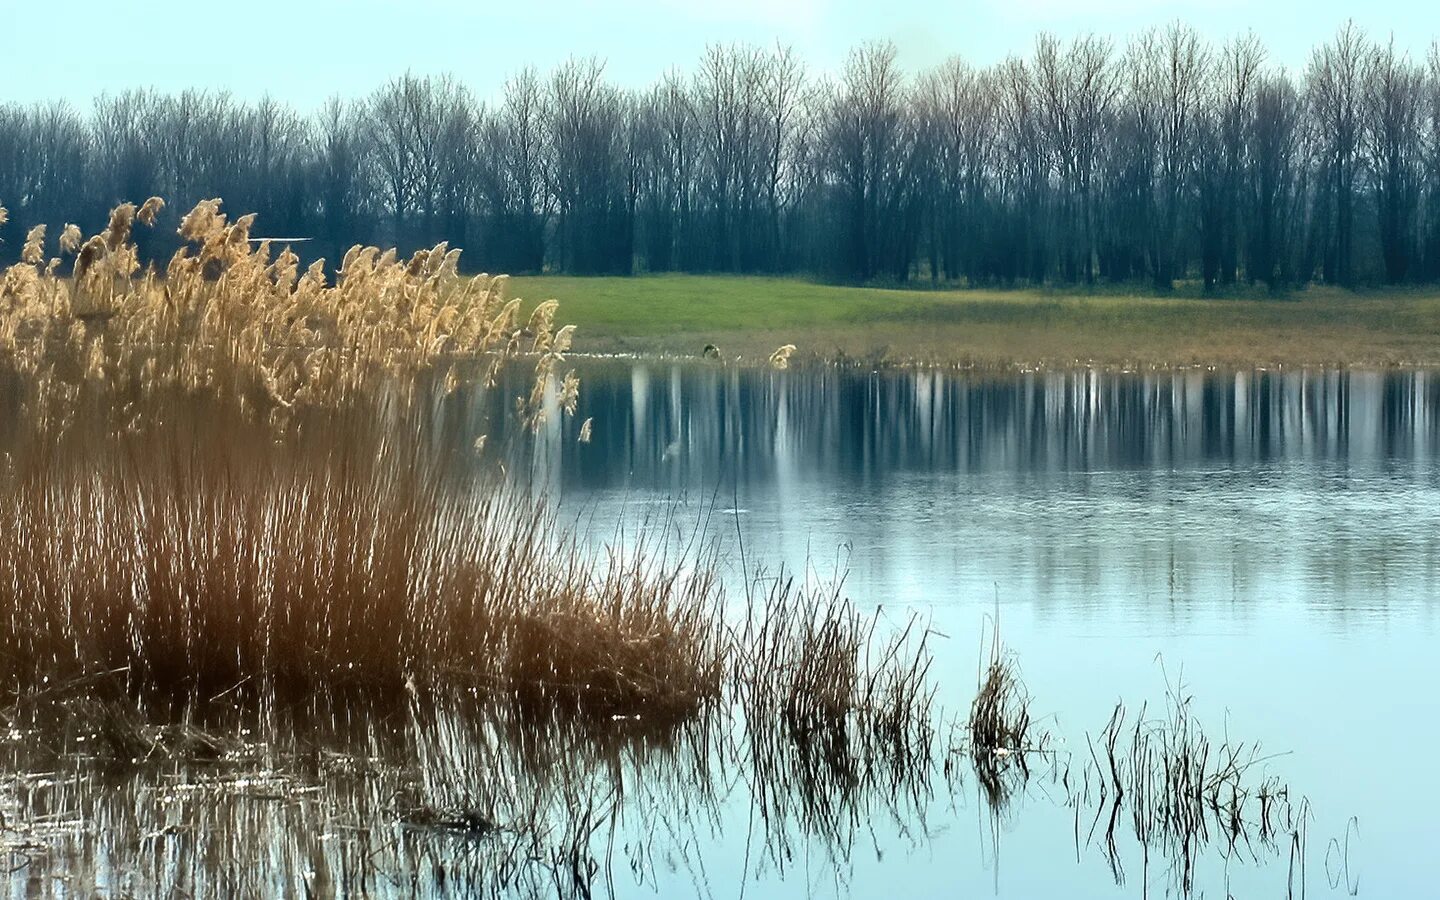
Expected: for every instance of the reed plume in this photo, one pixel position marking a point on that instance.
(149, 210)
(71, 239)
(33, 253)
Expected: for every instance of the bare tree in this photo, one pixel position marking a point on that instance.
(1274, 147)
(1234, 101)
(127, 129)
(868, 140)
(1431, 197)
(782, 90)
(1169, 72)
(1024, 171)
(1076, 89)
(519, 146)
(414, 123)
(1394, 114)
(958, 109)
(342, 172)
(1335, 84)
(584, 123)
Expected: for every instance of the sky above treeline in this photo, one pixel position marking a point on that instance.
(303, 51)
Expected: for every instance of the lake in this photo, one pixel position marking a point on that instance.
(1268, 540)
(1258, 549)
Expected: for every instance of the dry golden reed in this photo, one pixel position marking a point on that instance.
(234, 476)
(70, 239)
(230, 317)
(228, 472)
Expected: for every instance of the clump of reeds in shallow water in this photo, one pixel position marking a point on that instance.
(1168, 784)
(999, 723)
(231, 478)
(999, 731)
(837, 710)
(213, 558)
(808, 659)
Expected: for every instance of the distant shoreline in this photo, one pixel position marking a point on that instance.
(747, 317)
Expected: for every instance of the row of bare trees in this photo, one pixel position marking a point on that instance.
(1162, 160)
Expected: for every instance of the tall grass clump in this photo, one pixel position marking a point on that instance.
(196, 570)
(836, 712)
(230, 479)
(808, 660)
(999, 724)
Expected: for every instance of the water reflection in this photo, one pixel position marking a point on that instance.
(1071, 486)
(1276, 534)
(445, 797)
(680, 426)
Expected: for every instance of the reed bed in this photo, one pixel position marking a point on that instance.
(1000, 724)
(226, 481)
(234, 479)
(196, 573)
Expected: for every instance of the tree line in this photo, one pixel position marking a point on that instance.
(1159, 160)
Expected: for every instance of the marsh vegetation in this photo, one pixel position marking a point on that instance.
(274, 625)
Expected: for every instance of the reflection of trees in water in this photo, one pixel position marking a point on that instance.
(1158, 486)
(674, 426)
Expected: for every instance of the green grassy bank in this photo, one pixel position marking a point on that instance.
(749, 316)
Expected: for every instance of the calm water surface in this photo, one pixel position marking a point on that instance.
(1270, 540)
(1266, 543)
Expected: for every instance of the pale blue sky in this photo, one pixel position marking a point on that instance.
(305, 50)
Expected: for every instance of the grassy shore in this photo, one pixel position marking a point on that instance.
(750, 316)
